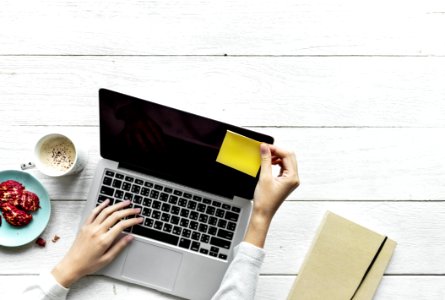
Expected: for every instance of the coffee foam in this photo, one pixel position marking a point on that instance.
(57, 154)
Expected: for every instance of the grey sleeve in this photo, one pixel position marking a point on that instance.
(241, 277)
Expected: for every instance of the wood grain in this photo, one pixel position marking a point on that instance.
(417, 227)
(197, 27)
(248, 91)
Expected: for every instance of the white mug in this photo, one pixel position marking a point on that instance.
(57, 155)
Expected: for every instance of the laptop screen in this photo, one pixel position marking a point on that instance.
(171, 144)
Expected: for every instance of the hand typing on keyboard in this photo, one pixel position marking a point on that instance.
(92, 248)
(271, 191)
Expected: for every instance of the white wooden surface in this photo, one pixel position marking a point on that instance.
(355, 88)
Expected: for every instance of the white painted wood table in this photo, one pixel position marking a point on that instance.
(355, 88)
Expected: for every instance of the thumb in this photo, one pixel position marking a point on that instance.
(266, 160)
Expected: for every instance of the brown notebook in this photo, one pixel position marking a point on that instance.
(346, 261)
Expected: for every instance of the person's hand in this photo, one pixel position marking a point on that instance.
(94, 245)
(271, 191)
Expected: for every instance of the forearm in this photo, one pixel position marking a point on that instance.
(257, 229)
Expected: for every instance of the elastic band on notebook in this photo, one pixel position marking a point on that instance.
(370, 265)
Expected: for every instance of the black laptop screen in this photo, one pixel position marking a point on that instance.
(170, 144)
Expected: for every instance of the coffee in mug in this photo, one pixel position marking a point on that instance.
(56, 155)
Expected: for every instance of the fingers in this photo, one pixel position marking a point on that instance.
(117, 216)
(116, 249)
(120, 226)
(109, 210)
(266, 161)
(96, 211)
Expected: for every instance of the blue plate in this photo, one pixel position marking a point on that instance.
(12, 236)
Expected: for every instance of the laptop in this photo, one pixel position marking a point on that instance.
(195, 209)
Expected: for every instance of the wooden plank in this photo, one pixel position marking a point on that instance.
(334, 163)
(248, 91)
(269, 288)
(282, 27)
(417, 227)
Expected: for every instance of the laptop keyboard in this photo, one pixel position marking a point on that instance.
(173, 216)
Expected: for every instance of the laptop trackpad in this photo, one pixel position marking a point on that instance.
(150, 264)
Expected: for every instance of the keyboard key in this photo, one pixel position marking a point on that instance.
(185, 213)
(182, 202)
(138, 181)
(226, 206)
(156, 204)
(154, 194)
(163, 197)
(175, 210)
(192, 204)
(137, 199)
(147, 202)
(120, 176)
(135, 189)
(195, 246)
(187, 195)
(105, 190)
(196, 236)
(159, 187)
(107, 180)
(177, 193)
(203, 218)
(148, 184)
(177, 230)
(212, 221)
(173, 199)
(201, 207)
(214, 254)
(231, 216)
(165, 207)
(219, 242)
(214, 249)
(165, 217)
(203, 251)
(184, 222)
(236, 209)
(205, 238)
(184, 243)
(145, 192)
(193, 225)
(222, 256)
(197, 198)
(219, 213)
(212, 230)
(156, 235)
(128, 196)
(146, 212)
(117, 183)
(194, 215)
(186, 233)
(109, 173)
(231, 226)
(102, 198)
(148, 222)
(207, 201)
(168, 190)
(174, 220)
(129, 179)
(118, 194)
(203, 228)
(158, 225)
(228, 235)
(216, 203)
(156, 214)
(222, 223)
(167, 228)
(210, 210)
(126, 186)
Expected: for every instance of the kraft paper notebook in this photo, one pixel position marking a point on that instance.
(346, 261)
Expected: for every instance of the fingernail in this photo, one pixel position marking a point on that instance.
(263, 148)
(141, 220)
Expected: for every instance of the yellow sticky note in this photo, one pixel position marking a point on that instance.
(241, 153)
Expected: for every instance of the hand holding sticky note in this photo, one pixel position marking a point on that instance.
(240, 153)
